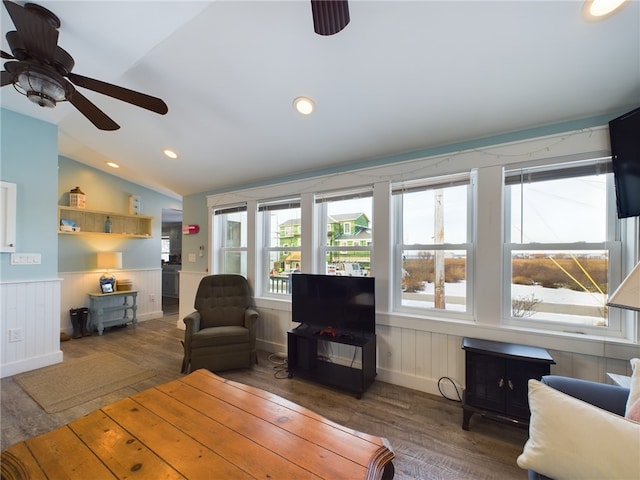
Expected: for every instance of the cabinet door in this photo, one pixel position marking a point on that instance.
(485, 381)
(518, 375)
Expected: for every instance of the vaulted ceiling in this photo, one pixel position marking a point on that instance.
(402, 76)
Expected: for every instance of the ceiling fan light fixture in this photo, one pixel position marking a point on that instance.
(41, 87)
(304, 105)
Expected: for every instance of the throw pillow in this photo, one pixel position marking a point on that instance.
(634, 388)
(569, 438)
(634, 412)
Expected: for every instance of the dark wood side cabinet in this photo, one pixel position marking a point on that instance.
(497, 376)
(303, 361)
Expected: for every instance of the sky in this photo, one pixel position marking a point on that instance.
(555, 211)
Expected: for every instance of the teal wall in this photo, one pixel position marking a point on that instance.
(29, 158)
(108, 193)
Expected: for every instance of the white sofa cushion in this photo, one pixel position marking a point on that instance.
(634, 387)
(572, 439)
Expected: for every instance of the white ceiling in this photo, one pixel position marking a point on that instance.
(402, 76)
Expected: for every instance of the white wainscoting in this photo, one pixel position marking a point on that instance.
(417, 358)
(30, 308)
(416, 353)
(189, 282)
(271, 329)
(76, 286)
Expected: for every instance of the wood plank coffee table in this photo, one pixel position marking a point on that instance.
(201, 427)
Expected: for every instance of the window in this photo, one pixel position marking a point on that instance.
(165, 248)
(560, 245)
(433, 232)
(281, 222)
(231, 225)
(345, 217)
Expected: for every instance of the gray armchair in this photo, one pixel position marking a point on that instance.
(220, 334)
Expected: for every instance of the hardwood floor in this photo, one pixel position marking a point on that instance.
(424, 430)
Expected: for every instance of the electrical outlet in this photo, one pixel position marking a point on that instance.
(15, 334)
(152, 297)
(26, 259)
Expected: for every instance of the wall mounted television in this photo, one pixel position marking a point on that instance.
(624, 133)
(346, 304)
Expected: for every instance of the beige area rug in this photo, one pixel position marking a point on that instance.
(79, 380)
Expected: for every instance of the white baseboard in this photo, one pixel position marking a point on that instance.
(270, 347)
(427, 385)
(149, 316)
(141, 318)
(31, 363)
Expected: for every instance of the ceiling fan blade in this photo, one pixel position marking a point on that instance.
(135, 98)
(329, 16)
(38, 36)
(6, 55)
(93, 113)
(7, 78)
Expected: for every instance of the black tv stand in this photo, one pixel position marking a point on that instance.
(303, 361)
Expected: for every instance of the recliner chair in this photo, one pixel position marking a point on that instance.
(220, 334)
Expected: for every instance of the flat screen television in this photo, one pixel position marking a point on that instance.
(624, 133)
(346, 304)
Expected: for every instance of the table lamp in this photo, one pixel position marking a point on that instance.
(107, 261)
(627, 295)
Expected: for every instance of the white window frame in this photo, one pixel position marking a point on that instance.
(220, 237)
(322, 200)
(264, 267)
(444, 181)
(612, 243)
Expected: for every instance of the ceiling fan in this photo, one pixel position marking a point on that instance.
(329, 16)
(39, 68)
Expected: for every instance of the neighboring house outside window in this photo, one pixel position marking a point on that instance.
(345, 216)
(281, 239)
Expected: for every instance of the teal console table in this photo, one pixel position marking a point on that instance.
(99, 304)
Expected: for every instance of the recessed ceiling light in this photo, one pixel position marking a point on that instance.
(170, 153)
(304, 105)
(602, 8)
(113, 165)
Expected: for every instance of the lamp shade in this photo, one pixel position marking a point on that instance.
(627, 295)
(109, 260)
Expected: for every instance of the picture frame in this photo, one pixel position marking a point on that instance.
(106, 287)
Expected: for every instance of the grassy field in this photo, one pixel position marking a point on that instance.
(577, 273)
